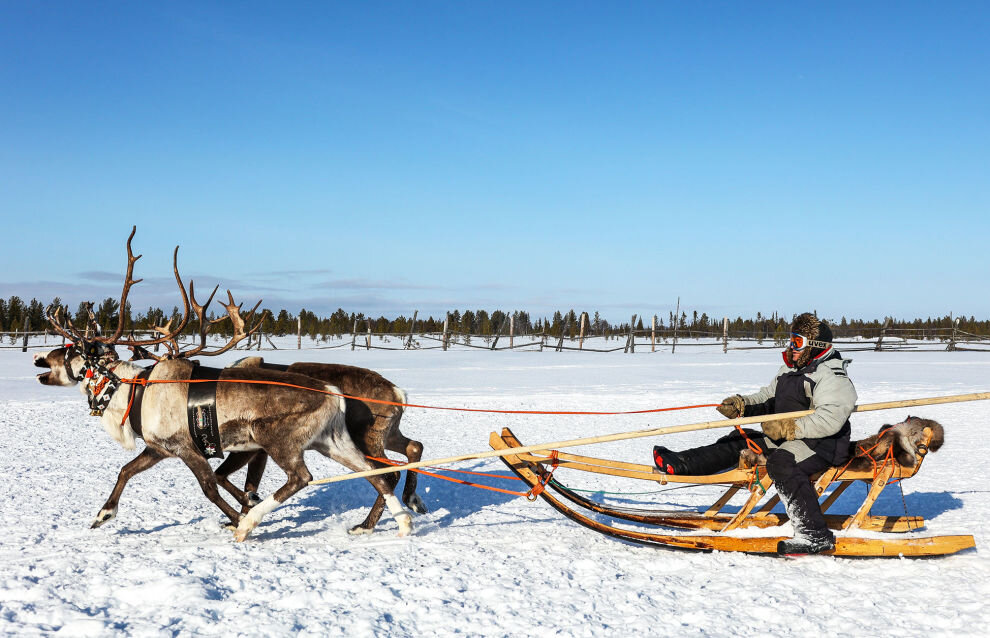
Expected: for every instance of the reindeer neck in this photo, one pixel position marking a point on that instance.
(114, 417)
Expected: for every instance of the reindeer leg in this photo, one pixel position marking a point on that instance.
(413, 451)
(350, 457)
(378, 508)
(147, 458)
(208, 482)
(298, 477)
(256, 468)
(248, 498)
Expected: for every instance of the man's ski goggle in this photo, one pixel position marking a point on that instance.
(800, 342)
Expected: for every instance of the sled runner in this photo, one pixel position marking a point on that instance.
(532, 468)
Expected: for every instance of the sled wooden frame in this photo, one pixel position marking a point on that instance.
(530, 468)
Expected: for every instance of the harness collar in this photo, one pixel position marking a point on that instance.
(106, 384)
(70, 350)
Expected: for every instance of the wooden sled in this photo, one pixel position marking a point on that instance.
(531, 469)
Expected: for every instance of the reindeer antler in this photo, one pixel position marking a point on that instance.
(167, 334)
(68, 330)
(237, 321)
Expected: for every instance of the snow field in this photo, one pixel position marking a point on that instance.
(479, 563)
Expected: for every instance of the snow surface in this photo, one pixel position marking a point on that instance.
(479, 563)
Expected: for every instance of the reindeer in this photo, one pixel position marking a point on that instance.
(374, 427)
(280, 413)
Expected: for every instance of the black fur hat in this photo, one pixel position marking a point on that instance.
(812, 328)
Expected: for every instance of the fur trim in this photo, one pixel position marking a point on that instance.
(905, 438)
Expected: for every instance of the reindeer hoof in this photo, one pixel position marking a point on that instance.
(416, 504)
(405, 525)
(253, 499)
(103, 517)
(357, 530)
(244, 530)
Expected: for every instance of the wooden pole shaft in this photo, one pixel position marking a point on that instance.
(636, 434)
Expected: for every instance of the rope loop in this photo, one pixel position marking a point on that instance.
(545, 479)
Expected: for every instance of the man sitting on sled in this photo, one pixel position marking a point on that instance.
(813, 377)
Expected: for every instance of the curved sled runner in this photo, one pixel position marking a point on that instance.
(530, 468)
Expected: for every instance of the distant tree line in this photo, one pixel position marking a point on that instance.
(14, 310)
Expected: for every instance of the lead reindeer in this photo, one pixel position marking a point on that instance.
(279, 413)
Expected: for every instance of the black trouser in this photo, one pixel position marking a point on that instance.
(790, 464)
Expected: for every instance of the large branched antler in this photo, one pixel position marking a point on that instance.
(239, 323)
(65, 327)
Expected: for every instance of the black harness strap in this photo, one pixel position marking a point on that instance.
(137, 396)
(202, 412)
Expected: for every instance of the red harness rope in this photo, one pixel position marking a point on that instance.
(140, 381)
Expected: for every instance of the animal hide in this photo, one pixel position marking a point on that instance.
(905, 438)
(902, 439)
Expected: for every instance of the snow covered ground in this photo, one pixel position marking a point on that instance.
(480, 563)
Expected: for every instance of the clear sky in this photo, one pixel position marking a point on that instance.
(388, 157)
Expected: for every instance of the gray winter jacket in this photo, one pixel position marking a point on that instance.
(822, 386)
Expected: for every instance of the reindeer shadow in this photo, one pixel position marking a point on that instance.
(349, 501)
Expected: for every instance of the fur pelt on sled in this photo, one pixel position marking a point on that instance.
(905, 438)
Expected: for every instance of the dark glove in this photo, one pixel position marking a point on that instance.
(782, 430)
(732, 407)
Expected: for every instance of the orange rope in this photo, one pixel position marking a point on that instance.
(750, 443)
(447, 469)
(454, 480)
(409, 405)
(545, 479)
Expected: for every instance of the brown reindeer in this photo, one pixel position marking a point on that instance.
(373, 425)
(280, 413)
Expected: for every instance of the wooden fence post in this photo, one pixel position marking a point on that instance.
(883, 331)
(725, 335)
(677, 322)
(563, 333)
(367, 339)
(299, 332)
(653, 335)
(584, 316)
(631, 338)
(443, 337)
(354, 335)
(512, 329)
(412, 329)
(24, 348)
(498, 332)
(952, 339)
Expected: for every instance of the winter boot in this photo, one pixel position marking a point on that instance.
(668, 461)
(811, 543)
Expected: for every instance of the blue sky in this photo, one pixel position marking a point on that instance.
(388, 157)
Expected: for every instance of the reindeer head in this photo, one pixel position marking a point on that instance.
(64, 365)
